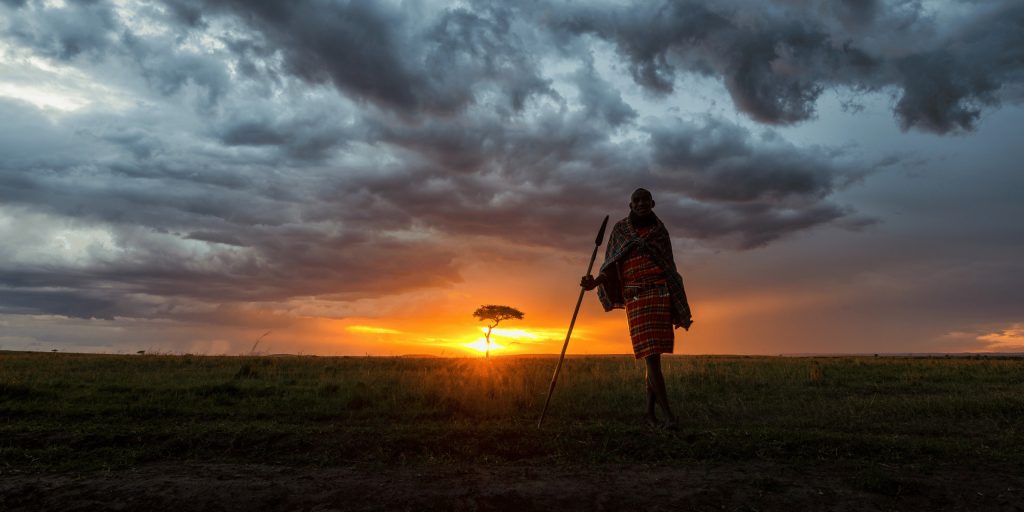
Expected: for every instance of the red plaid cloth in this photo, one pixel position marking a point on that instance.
(648, 306)
(624, 241)
(650, 322)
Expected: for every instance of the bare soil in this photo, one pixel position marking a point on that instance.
(748, 486)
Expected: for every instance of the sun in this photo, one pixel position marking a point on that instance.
(510, 339)
(480, 345)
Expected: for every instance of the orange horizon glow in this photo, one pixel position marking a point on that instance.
(439, 321)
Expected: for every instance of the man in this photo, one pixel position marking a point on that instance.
(639, 274)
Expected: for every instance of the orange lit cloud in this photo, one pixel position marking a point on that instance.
(1010, 339)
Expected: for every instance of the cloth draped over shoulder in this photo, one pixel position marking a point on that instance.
(657, 245)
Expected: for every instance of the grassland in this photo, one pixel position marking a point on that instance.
(75, 412)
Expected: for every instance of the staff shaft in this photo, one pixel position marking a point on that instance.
(572, 323)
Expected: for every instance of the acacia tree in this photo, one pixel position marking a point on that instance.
(496, 314)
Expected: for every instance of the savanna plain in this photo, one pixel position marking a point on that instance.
(189, 432)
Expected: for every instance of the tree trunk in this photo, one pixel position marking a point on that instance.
(489, 340)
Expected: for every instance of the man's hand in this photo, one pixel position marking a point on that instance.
(588, 282)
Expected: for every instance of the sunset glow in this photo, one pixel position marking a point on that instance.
(369, 329)
(1010, 339)
(480, 345)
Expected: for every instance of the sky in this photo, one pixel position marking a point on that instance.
(356, 178)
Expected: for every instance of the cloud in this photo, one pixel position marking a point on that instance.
(267, 154)
(408, 60)
(65, 303)
(308, 134)
(721, 161)
(171, 71)
(1010, 338)
(530, 182)
(136, 223)
(177, 221)
(64, 32)
(975, 65)
(776, 58)
(600, 99)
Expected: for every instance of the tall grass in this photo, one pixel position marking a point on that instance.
(67, 411)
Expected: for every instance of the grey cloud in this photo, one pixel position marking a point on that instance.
(724, 182)
(856, 14)
(659, 39)
(776, 59)
(255, 61)
(305, 136)
(93, 29)
(644, 33)
(268, 265)
(71, 304)
(749, 225)
(530, 183)
(139, 142)
(352, 44)
(66, 32)
(29, 139)
(188, 14)
(977, 65)
(168, 71)
(720, 161)
(391, 57)
(601, 100)
(252, 218)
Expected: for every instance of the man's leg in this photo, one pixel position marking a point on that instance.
(656, 383)
(651, 398)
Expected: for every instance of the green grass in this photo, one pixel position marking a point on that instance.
(67, 412)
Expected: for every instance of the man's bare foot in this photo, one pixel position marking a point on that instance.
(670, 424)
(652, 420)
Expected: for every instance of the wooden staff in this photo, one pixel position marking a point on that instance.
(572, 323)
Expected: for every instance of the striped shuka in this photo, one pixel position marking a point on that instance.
(648, 308)
(641, 276)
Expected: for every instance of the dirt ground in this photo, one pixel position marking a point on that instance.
(738, 486)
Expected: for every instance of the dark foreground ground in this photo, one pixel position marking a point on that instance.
(747, 486)
(87, 432)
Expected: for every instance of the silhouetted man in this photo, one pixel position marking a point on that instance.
(639, 274)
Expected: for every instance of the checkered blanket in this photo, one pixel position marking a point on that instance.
(657, 245)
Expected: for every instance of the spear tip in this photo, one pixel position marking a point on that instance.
(600, 233)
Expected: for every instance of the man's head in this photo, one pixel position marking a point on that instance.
(641, 202)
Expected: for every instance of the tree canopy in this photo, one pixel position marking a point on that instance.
(497, 313)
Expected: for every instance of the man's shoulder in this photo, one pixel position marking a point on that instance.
(622, 224)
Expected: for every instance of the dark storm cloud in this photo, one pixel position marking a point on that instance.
(390, 57)
(254, 218)
(543, 183)
(300, 135)
(773, 68)
(946, 88)
(602, 100)
(277, 264)
(70, 304)
(168, 72)
(752, 188)
(752, 224)
(93, 29)
(776, 59)
(720, 161)
(78, 28)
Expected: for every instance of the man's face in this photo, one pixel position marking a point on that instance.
(641, 203)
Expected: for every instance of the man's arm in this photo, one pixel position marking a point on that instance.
(589, 282)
